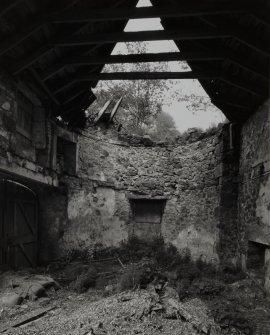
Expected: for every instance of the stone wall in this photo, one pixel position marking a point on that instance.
(20, 156)
(254, 191)
(113, 171)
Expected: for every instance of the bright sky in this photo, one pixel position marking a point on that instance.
(183, 117)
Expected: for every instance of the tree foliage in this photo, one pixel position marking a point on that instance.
(141, 108)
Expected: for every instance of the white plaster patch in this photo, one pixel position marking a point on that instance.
(263, 204)
(6, 106)
(199, 242)
(79, 205)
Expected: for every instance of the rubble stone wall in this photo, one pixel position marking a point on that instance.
(19, 155)
(112, 171)
(254, 190)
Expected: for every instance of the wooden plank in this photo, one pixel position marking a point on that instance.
(30, 59)
(261, 91)
(255, 89)
(44, 87)
(147, 75)
(33, 57)
(180, 10)
(27, 319)
(74, 94)
(23, 239)
(27, 30)
(7, 5)
(131, 76)
(251, 40)
(25, 215)
(29, 260)
(149, 57)
(20, 36)
(249, 66)
(102, 111)
(115, 109)
(156, 35)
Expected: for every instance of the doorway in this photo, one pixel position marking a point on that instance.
(18, 225)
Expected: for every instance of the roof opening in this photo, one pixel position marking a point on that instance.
(155, 106)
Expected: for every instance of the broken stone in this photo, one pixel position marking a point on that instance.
(36, 291)
(6, 106)
(147, 141)
(10, 300)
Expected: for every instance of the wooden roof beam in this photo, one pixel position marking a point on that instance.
(156, 35)
(94, 77)
(7, 5)
(27, 30)
(44, 87)
(171, 56)
(250, 40)
(261, 91)
(179, 10)
(147, 76)
(19, 37)
(149, 57)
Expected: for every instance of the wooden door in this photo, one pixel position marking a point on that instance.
(18, 225)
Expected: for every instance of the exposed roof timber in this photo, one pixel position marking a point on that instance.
(92, 39)
(133, 76)
(7, 5)
(147, 75)
(74, 106)
(27, 30)
(44, 87)
(30, 59)
(229, 102)
(73, 94)
(250, 40)
(261, 91)
(180, 10)
(260, 14)
(249, 66)
(43, 50)
(20, 36)
(54, 69)
(149, 57)
(171, 56)
(156, 35)
(114, 14)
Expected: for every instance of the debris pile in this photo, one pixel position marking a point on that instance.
(16, 287)
(133, 312)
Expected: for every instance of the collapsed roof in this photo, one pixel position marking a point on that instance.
(60, 48)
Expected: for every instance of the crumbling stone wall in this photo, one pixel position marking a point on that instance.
(20, 156)
(254, 191)
(113, 169)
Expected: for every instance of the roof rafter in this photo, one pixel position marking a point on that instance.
(149, 57)
(155, 35)
(82, 77)
(7, 5)
(27, 30)
(179, 10)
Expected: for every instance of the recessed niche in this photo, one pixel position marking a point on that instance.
(147, 217)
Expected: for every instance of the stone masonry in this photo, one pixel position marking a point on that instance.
(114, 169)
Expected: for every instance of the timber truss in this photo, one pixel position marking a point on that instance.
(61, 47)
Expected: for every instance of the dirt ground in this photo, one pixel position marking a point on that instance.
(70, 304)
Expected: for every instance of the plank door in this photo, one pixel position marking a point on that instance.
(19, 217)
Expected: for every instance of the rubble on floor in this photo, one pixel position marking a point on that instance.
(136, 298)
(16, 287)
